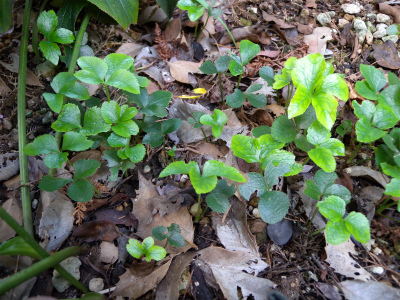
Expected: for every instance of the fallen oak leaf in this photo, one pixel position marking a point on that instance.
(181, 69)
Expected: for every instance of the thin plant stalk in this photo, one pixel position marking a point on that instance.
(107, 92)
(21, 99)
(227, 29)
(240, 78)
(202, 28)
(71, 68)
(35, 246)
(35, 32)
(204, 134)
(37, 268)
(195, 29)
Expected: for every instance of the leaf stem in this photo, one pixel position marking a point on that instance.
(240, 78)
(354, 153)
(195, 29)
(21, 100)
(318, 231)
(35, 246)
(227, 29)
(204, 26)
(107, 92)
(37, 268)
(205, 137)
(198, 215)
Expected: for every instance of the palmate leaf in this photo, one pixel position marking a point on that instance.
(153, 105)
(43, 144)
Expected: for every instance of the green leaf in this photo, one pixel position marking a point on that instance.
(374, 77)
(336, 232)
(111, 112)
(195, 13)
(112, 158)
(154, 105)
(309, 71)
(125, 12)
(51, 51)
(68, 13)
(268, 74)
(365, 91)
(365, 110)
(175, 237)
(54, 101)
(156, 253)
(282, 157)
(94, 122)
(6, 15)
(318, 134)
(147, 244)
(51, 184)
(66, 84)
(246, 148)
(325, 179)
(47, 22)
(160, 232)
(62, 79)
(393, 29)
(18, 246)
(358, 226)
(81, 191)
(384, 117)
(202, 184)
(178, 167)
(68, 119)
(75, 142)
(300, 101)
(224, 189)
(115, 140)
(344, 128)
(217, 121)
(247, 51)
(272, 173)
(134, 248)
(117, 61)
(325, 106)
(366, 133)
(170, 125)
(282, 79)
(124, 80)
(393, 171)
(391, 97)
(302, 143)
(235, 68)
(332, 208)
(168, 6)
(94, 65)
(85, 168)
(393, 187)
(256, 183)
(222, 63)
(62, 36)
(153, 139)
(55, 160)
(335, 85)
(335, 146)
(338, 190)
(136, 153)
(258, 101)
(127, 113)
(393, 79)
(312, 190)
(273, 206)
(217, 168)
(43, 144)
(236, 99)
(306, 119)
(217, 202)
(259, 131)
(323, 158)
(283, 129)
(208, 68)
(290, 63)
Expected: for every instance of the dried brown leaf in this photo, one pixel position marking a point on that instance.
(180, 70)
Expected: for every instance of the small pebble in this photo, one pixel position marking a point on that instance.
(342, 22)
(380, 31)
(377, 270)
(351, 9)
(96, 284)
(146, 169)
(184, 178)
(377, 251)
(382, 18)
(348, 17)
(193, 210)
(35, 203)
(324, 19)
(369, 37)
(256, 213)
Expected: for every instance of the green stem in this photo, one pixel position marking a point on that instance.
(220, 88)
(240, 78)
(205, 137)
(227, 29)
(318, 231)
(35, 32)
(290, 94)
(21, 99)
(354, 153)
(195, 29)
(205, 24)
(37, 268)
(35, 246)
(71, 68)
(198, 208)
(107, 92)
(306, 161)
(89, 296)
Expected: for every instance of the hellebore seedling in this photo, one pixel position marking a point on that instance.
(262, 130)
(317, 85)
(195, 121)
(247, 51)
(217, 121)
(153, 105)
(339, 230)
(172, 234)
(206, 181)
(147, 248)
(236, 99)
(157, 130)
(47, 23)
(218, 200)
(344, 128)
(283, 78)
(264, 150)
(273, 205)
(323, 185)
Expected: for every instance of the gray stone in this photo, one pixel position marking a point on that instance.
(377, 270)
(380, 31)
(9, 165)
(342, 22)
(393, 38)
(71, 265)
(351, 9)
(331, 13)
(96, 284)
(382, 18)
(361, 28)
(324, 19)
(369, 37)
(371, 17)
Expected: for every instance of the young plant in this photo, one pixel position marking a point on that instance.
(172, 234)
(339, 230)
(344, 128)
(156, 131)
(236, 99)
(147, 248)
(216, 121)
(218, 200)
(206, 181)
(247, 51)
(47, 23)
(195, 121)
(264, 150)
(273, 205)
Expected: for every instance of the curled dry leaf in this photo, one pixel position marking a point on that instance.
(98, 230)
(317, 40)
(180, 70)
(282, 24)
(393, 11)
(361, 171)
(131, 49)
(386, 55)
(12, 207)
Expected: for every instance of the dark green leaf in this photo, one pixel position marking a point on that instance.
(247, 51)
(94, 65)
(62, 36)
(68, 119)
(117, 61)
(312, 190)
(160, 232)
(68, 13)
(272, 173)
(84, 168)
(273, 206)
(171, 125)
(374, 77)
(208, 67)
(302, 143)
(112, 158)
(384, 117)
(43, 144)
(115, 140)
(365, 91)
(168, 6)
(259, 131)
(81, 191)
(344, 128)
(153, 139)
(366, 133)
(18, 246)
(218, 202)
(283, 129)
(6, 15)
(222, 63)
(268, 74)
(94, 122)
(338, 190)
(256, 183)
(54, 101)
(258, 101)
(47, 22)
(74, 141)
(51, 184)
(136, 153)
(111, 112)
(51, 51)
(55, 160)
(306, 119)
(391, 97)
(393, 79)
(236, 99)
